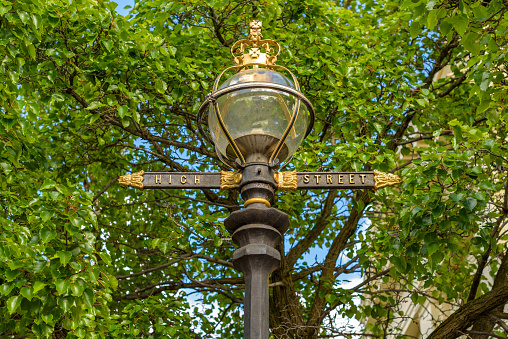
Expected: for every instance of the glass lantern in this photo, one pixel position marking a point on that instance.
(258, 114)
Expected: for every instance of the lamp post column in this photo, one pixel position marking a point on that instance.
(257, 229)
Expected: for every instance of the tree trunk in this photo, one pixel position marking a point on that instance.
(486, 323)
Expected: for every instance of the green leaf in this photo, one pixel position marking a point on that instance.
(94, 118)
(155, 242)
(76, 221)
(77, 290)
(160, 86)
(26, 292)
(31, 51)
(45, 215)
(64, 257)
(23, 16)
(108, 44)
(483, 106)
(330, 298)
(432, 248)
(421, 102)
(93, 105)
(4, 9)
(35, 107)
(460, 23)
(472, 43)
(66, 303)
(94, 274)
(62, 285)
(414, 298)
(36, 19)
(432, 18)
(58, 97)
(13, 303)
(39, 265)
(14, 77)
(47, 234)
(470, 203)
(38, 285)
(105, 257)
(6, 288)
(88, 297)
(427, 219)
(430, 5)
(47, 317)
(10, 275)
(48, 183)
(487, 185)
(489, 143)
(485, 81)
(122, 110)
(437, 257)
(113, 282)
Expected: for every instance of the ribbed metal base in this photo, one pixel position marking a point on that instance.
(258, 144)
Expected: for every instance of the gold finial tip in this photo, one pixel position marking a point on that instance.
(256, 27)
(132, 180)
(382, 179)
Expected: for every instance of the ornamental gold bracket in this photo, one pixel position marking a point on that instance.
(132, 180)
(382, 179)
(229, 180)
(286, 181)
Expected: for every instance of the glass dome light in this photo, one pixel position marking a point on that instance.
(258, 114)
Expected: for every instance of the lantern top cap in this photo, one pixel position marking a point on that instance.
(256, 51)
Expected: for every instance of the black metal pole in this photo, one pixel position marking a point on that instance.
(257, 229)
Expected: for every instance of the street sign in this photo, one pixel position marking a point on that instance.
(287, 181)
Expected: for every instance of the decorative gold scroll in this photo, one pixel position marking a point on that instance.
(287, 181)
(385, 179)
(132, 180)
(229, 180)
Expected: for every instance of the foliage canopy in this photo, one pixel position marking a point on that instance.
(87, 95)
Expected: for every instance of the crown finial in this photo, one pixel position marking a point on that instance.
(256, 51)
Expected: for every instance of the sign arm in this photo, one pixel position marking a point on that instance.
(286, 181)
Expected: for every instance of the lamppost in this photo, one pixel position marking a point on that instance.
(257, 119)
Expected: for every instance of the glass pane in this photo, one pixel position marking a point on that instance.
(257, 118)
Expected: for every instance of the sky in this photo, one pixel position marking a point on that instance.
(121, 4)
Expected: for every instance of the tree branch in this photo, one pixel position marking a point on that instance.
(460, 320)
(322, 221)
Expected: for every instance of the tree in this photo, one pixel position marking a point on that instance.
(87, 95)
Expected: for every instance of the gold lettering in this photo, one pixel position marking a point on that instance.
(196, 179)
(158, 179)
(169, 182)
(329, 179)
(340, 179)
(183, 179)
(363, 178)
(306, 179)
(317, 176)
(351, 178)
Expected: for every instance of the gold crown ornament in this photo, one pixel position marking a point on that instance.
(261, 52)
